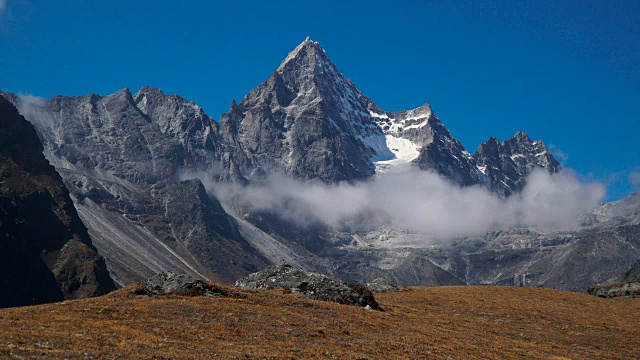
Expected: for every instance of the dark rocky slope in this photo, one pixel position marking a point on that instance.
(46, 254)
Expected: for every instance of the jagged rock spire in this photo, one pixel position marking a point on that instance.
(508, 164)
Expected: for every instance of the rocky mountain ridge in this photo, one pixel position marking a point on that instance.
(307, 120)
(135, 166)
(121, 156)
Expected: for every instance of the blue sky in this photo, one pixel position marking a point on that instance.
(566, 72)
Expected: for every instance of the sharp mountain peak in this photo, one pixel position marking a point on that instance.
(306, 48)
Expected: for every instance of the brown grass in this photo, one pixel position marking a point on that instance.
(438, 323)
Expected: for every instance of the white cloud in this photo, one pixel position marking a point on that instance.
(28, 99)
(3, 5)
(418, 200)
(30, 107)
(559, 154)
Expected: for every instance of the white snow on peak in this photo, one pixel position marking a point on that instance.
(379, 116)
(142, 104)
(404, 150)
(416, 126)
(403, 120)
(391, 151)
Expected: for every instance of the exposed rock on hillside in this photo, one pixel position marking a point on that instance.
(312, 285)
(168, 283)
(631, 288)
(45, 252)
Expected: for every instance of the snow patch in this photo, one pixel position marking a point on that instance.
(417, 126)
(379, 116)
(391, 151)
(142, 104)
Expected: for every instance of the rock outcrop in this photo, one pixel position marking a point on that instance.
(46, 254)
(168, 283)
(628, 289)
(309, 284)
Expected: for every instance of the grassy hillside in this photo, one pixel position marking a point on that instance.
(439, 323)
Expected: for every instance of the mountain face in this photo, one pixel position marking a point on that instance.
(46, 254)
(122, 157)
(130, 161)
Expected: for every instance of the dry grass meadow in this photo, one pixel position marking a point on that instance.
(420, 323)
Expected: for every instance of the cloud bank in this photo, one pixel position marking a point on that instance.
(418, 200)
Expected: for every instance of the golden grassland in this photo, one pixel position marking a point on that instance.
(472, 322)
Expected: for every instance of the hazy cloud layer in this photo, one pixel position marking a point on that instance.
(417, 200)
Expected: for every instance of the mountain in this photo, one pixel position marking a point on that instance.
(46, 254)
(136, 166)
(307, 120)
